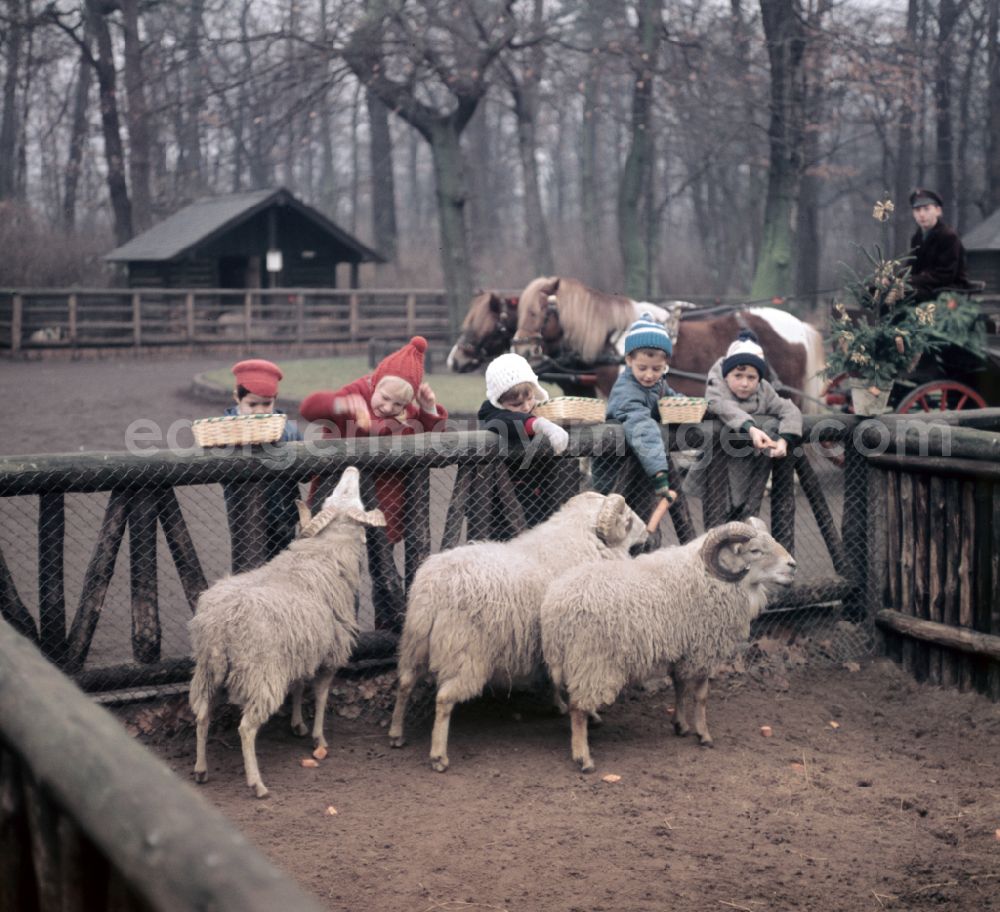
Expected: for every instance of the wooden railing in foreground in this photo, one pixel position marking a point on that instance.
(935, 578)
(91, 821)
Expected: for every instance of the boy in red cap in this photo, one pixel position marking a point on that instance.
(255, 393)
(393, 400)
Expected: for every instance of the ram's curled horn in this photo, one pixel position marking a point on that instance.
(610, 525)
(318, 523)
(368, 517)
(733, 533)
(757, 523)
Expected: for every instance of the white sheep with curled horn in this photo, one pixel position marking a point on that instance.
(264, 632)
(472, 613)
(686, 609)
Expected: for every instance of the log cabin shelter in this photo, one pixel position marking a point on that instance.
(257, 239)
(982, 253)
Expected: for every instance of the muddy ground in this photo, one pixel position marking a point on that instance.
(872, 793)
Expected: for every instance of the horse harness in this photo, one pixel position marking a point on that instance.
(478, 349)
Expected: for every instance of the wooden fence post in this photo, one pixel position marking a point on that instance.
(189, 315)
(72, 306)
(51, 597)
(354, 317)
(411, 314)
(136, 319)
(247, 317)
(142, 572)
(16, 322)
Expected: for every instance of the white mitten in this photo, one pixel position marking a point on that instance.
(557, 437)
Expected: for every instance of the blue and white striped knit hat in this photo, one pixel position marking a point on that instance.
(647, 333)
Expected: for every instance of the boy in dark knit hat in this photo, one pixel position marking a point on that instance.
(634, 402)
(736, 391)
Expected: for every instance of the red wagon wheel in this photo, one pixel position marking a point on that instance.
(941, 395)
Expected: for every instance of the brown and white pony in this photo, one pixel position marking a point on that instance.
(563, 322)
(487, 331)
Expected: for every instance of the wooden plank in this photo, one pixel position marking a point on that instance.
(455, 517)
(950, 664)
(936, 509)
(967, 574)
(246, 513)
(853, 531)
(907, 543)
(72, 305)
(142, 575)
(51, 572)
(354, 317)
(388, 595)
(11, 607)
(136, 320)
(972, 642)
(876, 534)
(181, 546)
(993, 590)
(783, 503)
(411, 314)
(97, 579)
(189, 315)
(416, 521)
(17, 889)
(920, 569)
(715, 498)
(16, 323)
(893, 643)
(982, 558)
(478, 512)
(44, 843)
(505, 507)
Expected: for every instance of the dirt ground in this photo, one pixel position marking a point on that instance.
(872, 793)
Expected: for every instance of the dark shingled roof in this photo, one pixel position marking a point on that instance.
(985, 236)
(207, 218)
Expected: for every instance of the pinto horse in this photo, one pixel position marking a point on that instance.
(561, 319)
(486, 332)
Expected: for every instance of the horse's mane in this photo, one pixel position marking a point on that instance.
(480, 320)
(587, 316)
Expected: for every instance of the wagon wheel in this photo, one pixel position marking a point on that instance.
(941, 395)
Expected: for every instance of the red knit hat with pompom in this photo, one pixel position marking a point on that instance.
(407, 364)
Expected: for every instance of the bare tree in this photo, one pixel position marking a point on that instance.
(78, 134)
(405, 52)
(138, 119)
(993, 111)
(9, 126)
(785, 36)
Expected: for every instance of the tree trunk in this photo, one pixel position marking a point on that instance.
(78, 136)
(783, 29)
(189, 160)
(993, 112)
(384, 228)
(114, 151)
(9, 120)
(944, 170)
(452, 193)
(590, 209)
(910, 61)
(633, 206)
(138, 120)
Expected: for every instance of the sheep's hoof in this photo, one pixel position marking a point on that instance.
(595, 720)
(301, 729)
(439, 764)
(586, 766)
(396, 741)
(706, 742)
(260, 790)
(680, 730)
(201, 776)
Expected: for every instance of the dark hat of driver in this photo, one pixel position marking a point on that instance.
(922, 197)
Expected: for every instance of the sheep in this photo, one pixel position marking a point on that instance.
(268, 630)
(472, 615)
(686, 608)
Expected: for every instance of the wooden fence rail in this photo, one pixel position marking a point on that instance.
(142, 501)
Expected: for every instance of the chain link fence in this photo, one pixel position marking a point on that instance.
(103, 556)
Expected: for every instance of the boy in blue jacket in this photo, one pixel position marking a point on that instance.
(633, 402)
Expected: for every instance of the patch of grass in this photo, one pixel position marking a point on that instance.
(459, 393)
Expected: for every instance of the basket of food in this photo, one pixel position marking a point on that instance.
(236, 430)
(572, 410)
(682, 409)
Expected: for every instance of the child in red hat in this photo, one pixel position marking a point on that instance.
(393, 399)
(255, 393)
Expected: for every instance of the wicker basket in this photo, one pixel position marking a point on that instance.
(682, 409)
(572, 410)
(230, 430)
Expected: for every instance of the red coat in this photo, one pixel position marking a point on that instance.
(389, 484)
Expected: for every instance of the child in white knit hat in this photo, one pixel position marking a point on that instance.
(512, 392)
